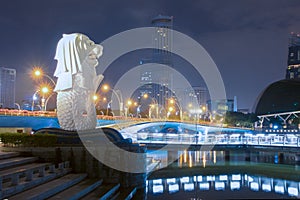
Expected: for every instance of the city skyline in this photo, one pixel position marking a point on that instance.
(248, 40)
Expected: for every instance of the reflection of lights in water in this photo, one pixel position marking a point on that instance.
(236, 177)
(222, 182)
(204, 186)
(266, 187)
(188, 186)
(292, 191)
(173, 188)
(190, 159)
(171, 180)
(215, 156)
(279, 189)
(197, 156)
(204, 159)
(219, 185)
(180, 160)
(254, 186)
(185, 180)
(185, 156)
(223, 177)
(158, 189)
(235, 185)
(157, 181)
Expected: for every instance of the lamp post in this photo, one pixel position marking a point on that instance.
(46, 102)
(172, 101)
(44, 91)
(33, 99)
(18, 105)
(118, 95)
(108, 106)
(153, 104)
(127, 111)
(39, 73)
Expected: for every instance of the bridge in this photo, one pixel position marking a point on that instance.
(174, 134)
(159, 133)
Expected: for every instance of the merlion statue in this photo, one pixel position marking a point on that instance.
(77, 81)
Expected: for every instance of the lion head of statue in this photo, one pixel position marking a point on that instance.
(76, 54)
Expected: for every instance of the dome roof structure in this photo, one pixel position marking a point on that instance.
(278, 97)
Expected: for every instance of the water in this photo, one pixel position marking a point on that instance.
(216, 175)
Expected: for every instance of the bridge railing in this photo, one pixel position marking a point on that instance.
(224, 139)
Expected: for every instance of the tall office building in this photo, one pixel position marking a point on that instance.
(293, 69)
(7, 87)
(162, 42)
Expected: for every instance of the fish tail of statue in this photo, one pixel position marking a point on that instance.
(64, 105)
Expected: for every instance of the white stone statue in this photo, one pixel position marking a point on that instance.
(77, 81)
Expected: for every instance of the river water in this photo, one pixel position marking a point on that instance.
(221, 175)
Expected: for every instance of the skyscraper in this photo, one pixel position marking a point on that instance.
(293, 69)
(7, 87)
(162, 42)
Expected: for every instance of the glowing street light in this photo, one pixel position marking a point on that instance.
(44, 91)
(95, 97)
(38, 72)
(129, 102)
(118, 95)
(154, 104)
(173, 102)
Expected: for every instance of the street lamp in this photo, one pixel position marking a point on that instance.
(34, 98)
(44, 91)
(127, 111)
(47, 101)
(153, 104)
(38, 72)
(172, 101)
(95, 97)
(118, 95)
(18, 105)
(170, 110)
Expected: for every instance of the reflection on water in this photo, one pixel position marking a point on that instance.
(224, 175)
(233, 186)
(204, 158)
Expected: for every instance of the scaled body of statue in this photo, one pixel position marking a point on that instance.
(77, 81)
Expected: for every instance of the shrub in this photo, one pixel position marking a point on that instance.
(27, 140)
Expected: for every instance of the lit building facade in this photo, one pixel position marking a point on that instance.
(7, 87)
(220, 107)
(162, 41)
(293, 69)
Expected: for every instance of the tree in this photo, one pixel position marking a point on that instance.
(240, 119)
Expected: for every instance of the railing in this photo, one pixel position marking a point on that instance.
(221, 139)
(8, 112)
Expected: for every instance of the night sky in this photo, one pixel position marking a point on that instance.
(247, 39)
